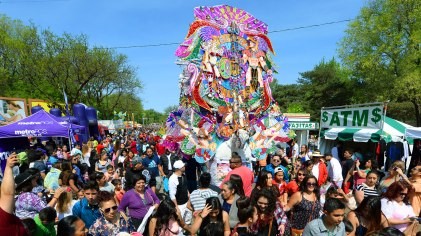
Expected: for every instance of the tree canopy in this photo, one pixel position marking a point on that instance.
(40, 64)
(382, 50)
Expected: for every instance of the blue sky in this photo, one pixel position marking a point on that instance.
(111, 23)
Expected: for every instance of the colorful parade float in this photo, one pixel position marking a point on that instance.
(225, 100)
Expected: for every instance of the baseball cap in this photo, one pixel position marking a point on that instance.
(278, 169)
(179, 164)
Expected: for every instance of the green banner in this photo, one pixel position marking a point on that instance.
(355, 117)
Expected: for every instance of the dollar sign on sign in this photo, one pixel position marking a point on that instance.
(376, 115)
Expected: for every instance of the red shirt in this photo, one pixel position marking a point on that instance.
(292, 187)
(160, 149)
(99, 148)
(322, 173)
(246, 175)
(11, 225)
(133, 147)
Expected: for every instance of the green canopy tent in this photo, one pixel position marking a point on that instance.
(393, 130)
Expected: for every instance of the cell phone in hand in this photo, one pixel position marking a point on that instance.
(415, 218)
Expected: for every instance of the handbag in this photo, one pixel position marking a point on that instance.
(297, 232)
(166, 184)
(412, 229)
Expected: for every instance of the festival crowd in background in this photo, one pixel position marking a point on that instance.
(130, 184)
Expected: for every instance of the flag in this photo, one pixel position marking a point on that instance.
(66, 102)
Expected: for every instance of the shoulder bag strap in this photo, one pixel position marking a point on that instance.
(270, 226)
(312, 211)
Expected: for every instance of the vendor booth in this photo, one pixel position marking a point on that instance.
(14, 137)
(364, 128)
(40, 124)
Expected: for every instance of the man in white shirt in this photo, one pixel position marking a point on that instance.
(334, 170)
(177, 185)
(295, 150)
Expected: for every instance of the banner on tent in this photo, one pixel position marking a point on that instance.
(353, 117)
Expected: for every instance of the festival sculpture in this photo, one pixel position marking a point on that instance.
(225, 99)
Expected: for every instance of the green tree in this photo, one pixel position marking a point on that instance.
(288, 97)
(382, 50)
(41, 64)
(328, 84)
(128, 103)
(14, 36)
(152, 116)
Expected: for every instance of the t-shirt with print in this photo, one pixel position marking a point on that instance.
(152, 165)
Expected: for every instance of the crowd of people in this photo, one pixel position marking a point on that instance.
(133, 185)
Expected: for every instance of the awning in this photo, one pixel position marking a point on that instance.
(348, 134)
(393, 130)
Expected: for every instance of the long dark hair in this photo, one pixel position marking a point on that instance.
(215, 228)
(270, 196)
(245, 209)
(370, 210)
(302, 170)
(66, 226)
(262, 179)
(303, 185)
(237, 184)
(166, 211)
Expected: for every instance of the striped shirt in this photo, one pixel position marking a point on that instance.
(368, 191)
(198, 198)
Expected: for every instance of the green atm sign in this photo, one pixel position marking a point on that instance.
(360, 117)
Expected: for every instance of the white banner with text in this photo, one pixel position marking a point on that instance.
(354, 117)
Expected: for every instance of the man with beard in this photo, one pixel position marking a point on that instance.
(167, 161)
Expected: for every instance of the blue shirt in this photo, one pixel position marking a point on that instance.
(270, 168)
(152, 165)
(86, 212)
(53, 160)
(317, 227)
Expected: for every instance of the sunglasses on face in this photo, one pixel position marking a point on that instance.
(107, 210)
(311, 184)
(276, 160)
(301, 174)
